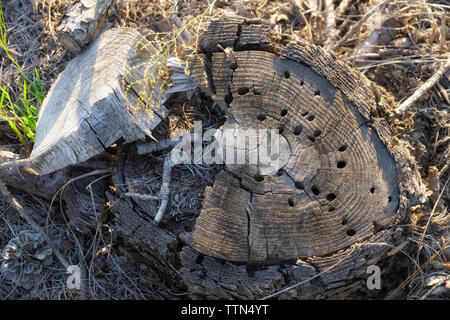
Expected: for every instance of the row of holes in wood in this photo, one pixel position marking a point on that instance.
(297, 130)
(315, 190)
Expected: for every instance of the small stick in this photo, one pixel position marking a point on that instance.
(164, 192)
(155, 146)
(423, 88)
(429, 219)
(142, 196)
(341, 8)
(165, 187)
(23, 213)
(359, 24)
(443, 92)
(330, 24)
(298, 4)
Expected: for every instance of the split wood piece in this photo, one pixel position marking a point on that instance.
(344, 187)
(96, 101)
(82, 22)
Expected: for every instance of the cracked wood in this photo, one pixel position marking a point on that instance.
(338, 180)
(93, 102)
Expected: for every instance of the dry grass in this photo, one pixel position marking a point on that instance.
(397, 44)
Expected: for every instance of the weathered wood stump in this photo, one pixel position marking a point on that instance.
(332, 208)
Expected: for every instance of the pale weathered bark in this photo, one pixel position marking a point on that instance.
(97, 100)
(82, 22)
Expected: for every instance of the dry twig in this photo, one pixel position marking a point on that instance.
(330, 31)
(164, 192)
(423, 88)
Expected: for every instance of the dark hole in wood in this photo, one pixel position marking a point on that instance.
(315, 190)
(317, 93)
(302, 83)
(331, 197)
(311, 117)
(258, 177)
(256, 92)
(283, 112)
(261, 117)
(341, 164)
(229, 98)
(344, 222)
(342, 148)
(351, 232)
(311, 138)
(280, 173)
(199, 259)
(317, 133)
(250, 270)
(298, 130)
(389, 199)
(287, 74)
(290, 202)
(280, 130)
(243, 90)
(299, 185)
(305, 113)
(372, 190)
(331, 209)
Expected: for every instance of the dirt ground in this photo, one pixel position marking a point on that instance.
(399, 48)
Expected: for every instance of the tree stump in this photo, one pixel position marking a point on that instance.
(309, 229)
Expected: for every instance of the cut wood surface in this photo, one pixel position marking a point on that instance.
(82, 22)
(95, 102)
(309, 229)
(339, 180)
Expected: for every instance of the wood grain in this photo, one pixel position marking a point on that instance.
(339, 181)
(89, 107)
